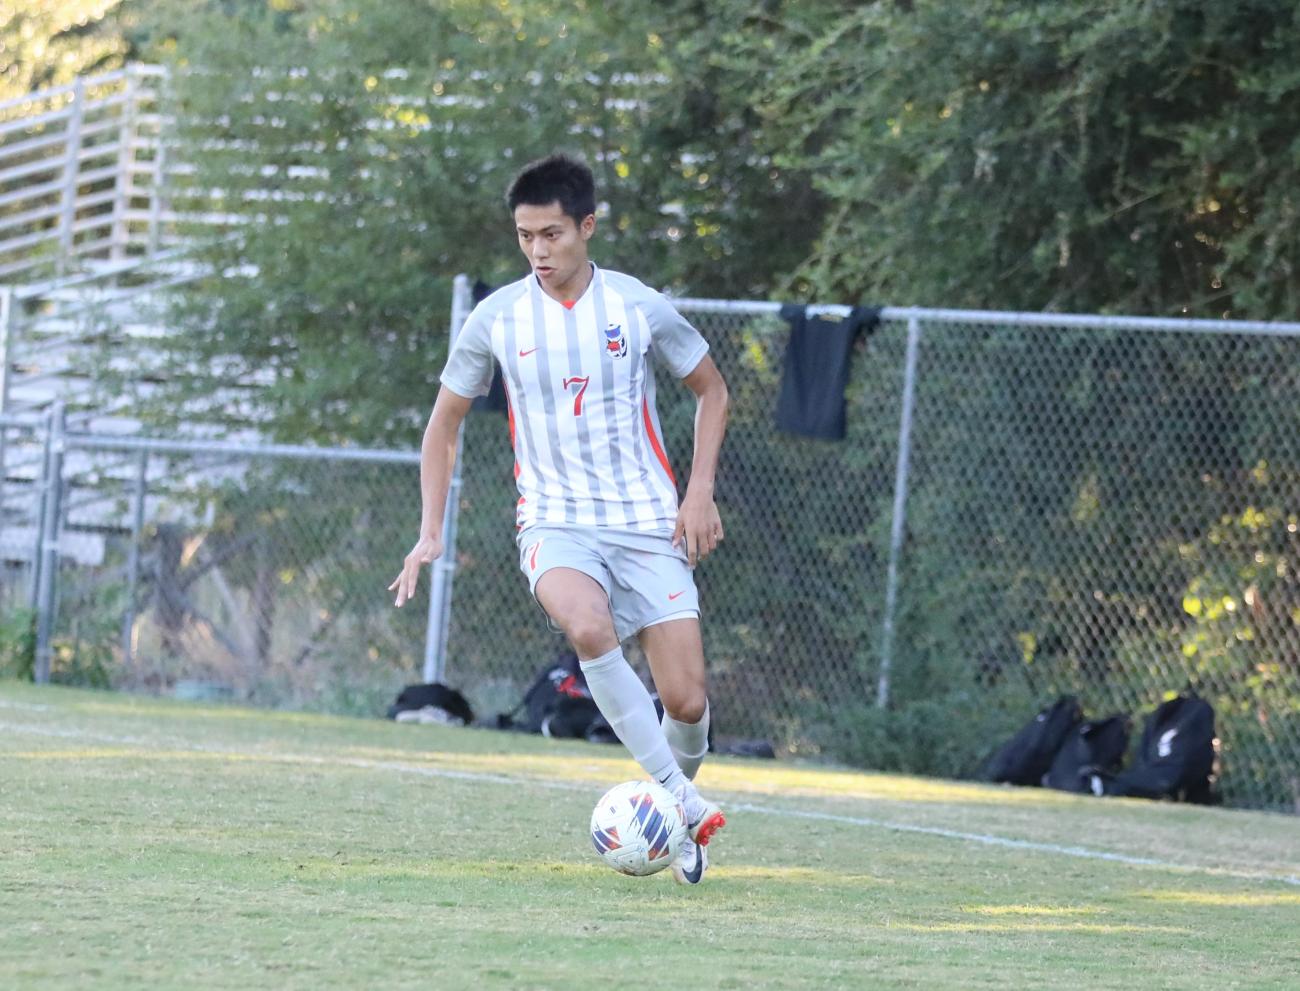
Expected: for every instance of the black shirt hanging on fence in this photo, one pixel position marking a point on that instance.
(816, 370)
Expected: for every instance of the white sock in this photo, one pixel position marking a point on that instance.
(689, 742)
(626, 704)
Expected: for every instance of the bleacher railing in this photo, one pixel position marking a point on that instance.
(257, 571)
(83, 173)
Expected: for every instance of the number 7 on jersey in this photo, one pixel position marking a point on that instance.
(581, 382)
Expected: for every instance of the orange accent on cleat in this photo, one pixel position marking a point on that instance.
(708, 827)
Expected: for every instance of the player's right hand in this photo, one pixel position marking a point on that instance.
(426, 551)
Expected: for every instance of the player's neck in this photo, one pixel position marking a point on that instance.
(574, 288)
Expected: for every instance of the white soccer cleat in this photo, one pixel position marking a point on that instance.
(691, 863)
(703, 819)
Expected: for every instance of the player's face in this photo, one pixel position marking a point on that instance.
(554, 245)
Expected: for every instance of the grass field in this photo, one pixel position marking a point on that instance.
(147, 843)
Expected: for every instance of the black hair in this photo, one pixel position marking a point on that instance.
(555, 178)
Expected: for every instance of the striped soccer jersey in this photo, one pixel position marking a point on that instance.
(580, 382)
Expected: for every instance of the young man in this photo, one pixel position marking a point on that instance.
(606, 548)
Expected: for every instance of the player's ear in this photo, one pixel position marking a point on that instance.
(588, 226)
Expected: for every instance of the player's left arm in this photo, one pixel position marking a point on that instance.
(698, 521)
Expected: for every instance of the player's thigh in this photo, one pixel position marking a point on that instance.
(571, 583)
(570, 596)
(675, 650)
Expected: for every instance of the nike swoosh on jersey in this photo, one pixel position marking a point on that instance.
(525, 354)
(675, 595)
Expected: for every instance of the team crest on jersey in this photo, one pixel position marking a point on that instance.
(615, 341)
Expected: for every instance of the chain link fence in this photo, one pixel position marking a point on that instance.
(1023, 506)
(22, 455)
(1109, 508)
(218, 570)
(789, 598)
(1094, 506)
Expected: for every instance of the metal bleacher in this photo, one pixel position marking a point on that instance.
(88, 252)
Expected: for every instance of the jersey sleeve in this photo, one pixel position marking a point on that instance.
(674, 341)
(468, 371)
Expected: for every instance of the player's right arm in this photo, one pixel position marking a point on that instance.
(437, 459)
(468, 373)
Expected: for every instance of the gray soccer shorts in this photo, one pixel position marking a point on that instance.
(647, 579)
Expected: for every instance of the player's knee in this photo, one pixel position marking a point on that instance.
(590, 632)
(685, 706)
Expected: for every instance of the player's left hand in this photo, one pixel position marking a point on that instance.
(700, 525)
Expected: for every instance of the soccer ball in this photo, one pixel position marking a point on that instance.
(638, 827)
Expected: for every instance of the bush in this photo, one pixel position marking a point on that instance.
(18, 644)
(950, 735)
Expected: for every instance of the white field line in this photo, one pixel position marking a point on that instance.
(986, 839)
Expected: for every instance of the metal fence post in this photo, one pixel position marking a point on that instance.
(72, 167)
(158, 177)
(120, 234)
(133, 556)
(48, 546)
(898, 527)
(443, 569)
(34, 572)
(6, 343)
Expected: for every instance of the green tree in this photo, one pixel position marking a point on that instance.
(50, 43)
(362, 151)
(998, 154)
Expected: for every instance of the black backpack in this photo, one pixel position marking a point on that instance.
(557, 703)
(1027, 756)
(1175, 758)
(447, 704)
(1093, 748)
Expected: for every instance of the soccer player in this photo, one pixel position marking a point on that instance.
(607, 549)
